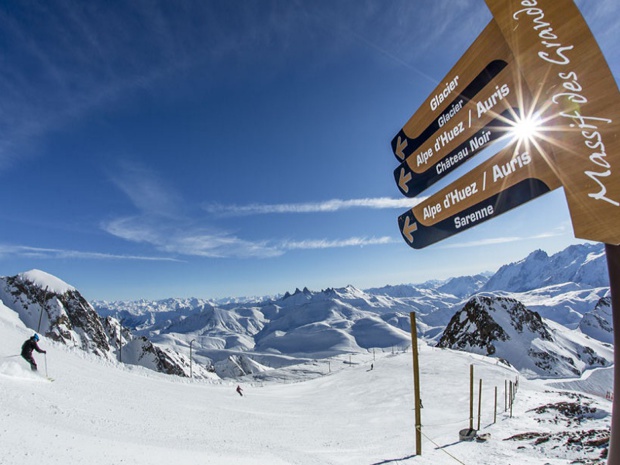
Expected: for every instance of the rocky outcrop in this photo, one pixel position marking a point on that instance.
(475, 326)
(504, 328)
(61, 314)
(58, 311)
(598, 323)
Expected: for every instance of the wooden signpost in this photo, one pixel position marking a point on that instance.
(510, 178)
(535, 57)
(578, 100)
(474, 125)
(476, 68)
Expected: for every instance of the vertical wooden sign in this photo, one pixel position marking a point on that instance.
(579, 104)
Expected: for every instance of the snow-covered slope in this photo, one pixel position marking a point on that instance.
(100, 412)
(327, 327)
(563, 303)
(242, 338)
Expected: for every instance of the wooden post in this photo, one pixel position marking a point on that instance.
(191, 370)
(495, 408)
(471, 396)
(479, 403)
(505, 395)
(416, 386)
(510, 399)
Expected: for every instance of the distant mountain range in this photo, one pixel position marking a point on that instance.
(565, 293)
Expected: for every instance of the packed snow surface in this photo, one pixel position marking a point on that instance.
(100, 412)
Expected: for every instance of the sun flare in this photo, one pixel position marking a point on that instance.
(526, 129)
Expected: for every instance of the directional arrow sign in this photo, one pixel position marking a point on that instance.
(564, 67)
(465, 130)
(510, 178)
(484, 60)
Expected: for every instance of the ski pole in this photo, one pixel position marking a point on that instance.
(45, 357)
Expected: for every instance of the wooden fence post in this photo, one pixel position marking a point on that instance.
(416, 386)
(479, 403)
(495, 408)
(471, 396)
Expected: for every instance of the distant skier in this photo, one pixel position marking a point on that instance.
(28, 347)
(240, 391)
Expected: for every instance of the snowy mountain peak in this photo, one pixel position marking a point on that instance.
(306, 295)
(485, 321)
(45, 281)
(297, 297)
(348, 292)
(537, 255)
(506, 329)
(55, 309)
(463, 286)
(306, 291)
(583, 263)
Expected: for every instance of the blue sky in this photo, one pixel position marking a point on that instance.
(166, 149)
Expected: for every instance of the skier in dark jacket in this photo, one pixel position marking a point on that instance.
(28, 347)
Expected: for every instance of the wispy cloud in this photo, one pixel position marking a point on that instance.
(483, 242)
(200, 242)
(160, 222)
(309, 207)
(184, 238)
(147, 191)
(329, 244)
(502, 240)
(40, 252)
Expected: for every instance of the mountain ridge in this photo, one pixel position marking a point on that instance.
(243, 337)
